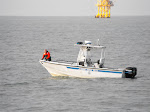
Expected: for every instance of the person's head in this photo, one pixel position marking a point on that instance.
(45, 50)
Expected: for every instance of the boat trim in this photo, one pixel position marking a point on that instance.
(75, 68)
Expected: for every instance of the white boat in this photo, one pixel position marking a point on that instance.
(85, 68)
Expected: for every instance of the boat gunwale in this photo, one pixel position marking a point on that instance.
(80, 66)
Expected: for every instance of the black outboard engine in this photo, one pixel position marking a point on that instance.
(130, 72)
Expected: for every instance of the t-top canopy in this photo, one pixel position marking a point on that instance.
(90, 46)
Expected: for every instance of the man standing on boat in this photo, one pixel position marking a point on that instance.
(46, 55)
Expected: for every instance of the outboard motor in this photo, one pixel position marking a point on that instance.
(130, 72)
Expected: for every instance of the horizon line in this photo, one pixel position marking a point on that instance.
(65, 16)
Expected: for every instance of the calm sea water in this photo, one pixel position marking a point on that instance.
(25, 86)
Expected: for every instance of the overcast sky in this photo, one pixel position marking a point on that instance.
(70, 7)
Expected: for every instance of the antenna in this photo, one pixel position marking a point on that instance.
(98, 43)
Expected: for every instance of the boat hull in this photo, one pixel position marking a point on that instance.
(62, 69)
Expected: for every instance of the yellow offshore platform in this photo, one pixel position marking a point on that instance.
(104, 8)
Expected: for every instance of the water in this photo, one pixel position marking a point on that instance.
(25, 86)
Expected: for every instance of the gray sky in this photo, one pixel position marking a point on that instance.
(70, 7)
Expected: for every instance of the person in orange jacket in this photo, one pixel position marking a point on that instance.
(46, 55)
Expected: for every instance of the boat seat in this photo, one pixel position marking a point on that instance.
(81, 63)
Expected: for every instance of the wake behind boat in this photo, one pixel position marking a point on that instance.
(85, 68)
